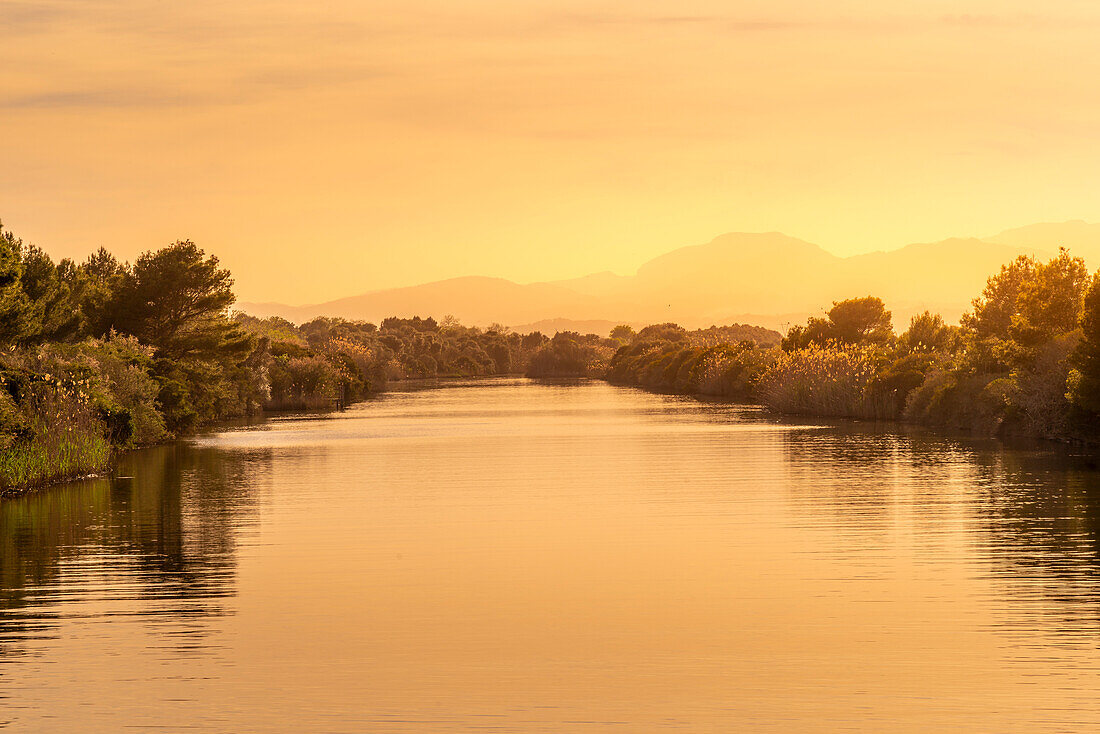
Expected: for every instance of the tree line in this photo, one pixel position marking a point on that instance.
(1024, 360)
(102, 354)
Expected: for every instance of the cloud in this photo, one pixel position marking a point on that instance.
(194, 22)
(246, 87)
(14, 14)
(1025, 20)
(298, 78)
(580, 21)
(107, 98)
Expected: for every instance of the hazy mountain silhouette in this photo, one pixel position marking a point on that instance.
(602, 327)
(474, 300)
(1077, 236)
(768, 279)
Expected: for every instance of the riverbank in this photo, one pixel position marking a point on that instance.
(855, 391)
(41, 464)
(104, 355)
(82, 458)
(89, 366)
(56, 457)
(72, 453)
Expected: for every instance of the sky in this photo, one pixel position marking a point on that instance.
(324, 149)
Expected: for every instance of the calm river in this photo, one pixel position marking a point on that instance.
(524, 557)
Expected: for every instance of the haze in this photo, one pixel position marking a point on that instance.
(327, 149)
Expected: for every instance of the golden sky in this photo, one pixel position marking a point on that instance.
(323, 149)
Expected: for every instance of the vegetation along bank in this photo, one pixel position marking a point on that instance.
(101, 356)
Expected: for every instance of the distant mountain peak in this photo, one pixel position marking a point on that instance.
(763, 273)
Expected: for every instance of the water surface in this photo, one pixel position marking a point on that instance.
(517, 556)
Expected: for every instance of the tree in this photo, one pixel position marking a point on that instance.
(568, 354)
(101, 281)
(995, 308)
(177, 301)
(12, 300)
(668, 332)
(861, 321)
(1048, 304)
(1084, 379)
(50, 314)
(36, 303)
(1023, 309)
(534, 340)
(854, 321)
(816, 331)
(622, 333)
(926, 333)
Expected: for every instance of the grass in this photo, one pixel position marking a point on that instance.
(825, 382)
(66, 441)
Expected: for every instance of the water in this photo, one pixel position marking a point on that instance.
(522, 557)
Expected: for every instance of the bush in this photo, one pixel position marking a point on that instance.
(951, 398)
(733, 371)
(569, 354)
(304, 383)
(123, 370)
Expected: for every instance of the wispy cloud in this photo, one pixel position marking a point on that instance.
(589, 21)
(298, 78)
(177, 23)
(1016, 21)
(106, 98)
(241, 89)
(22, 15)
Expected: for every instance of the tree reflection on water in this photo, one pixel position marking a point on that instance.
(162, 533)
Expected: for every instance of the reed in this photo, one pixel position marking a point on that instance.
(824, 381)
(64, 439)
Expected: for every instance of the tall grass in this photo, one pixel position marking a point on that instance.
(64, 439)
(825, 381)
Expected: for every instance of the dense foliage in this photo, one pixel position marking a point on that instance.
(102, 354)
(331, 361)
(1023, 360)
(726, 361)
(570, 354)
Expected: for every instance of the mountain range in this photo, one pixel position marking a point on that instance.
(767, 279)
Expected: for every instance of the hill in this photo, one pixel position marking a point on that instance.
(768, 279)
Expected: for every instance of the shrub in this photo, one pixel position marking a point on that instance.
(304, 383)
(569, 354)
(951, 398)
(733, 371)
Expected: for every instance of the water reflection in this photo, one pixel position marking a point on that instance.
(157, 540)
(564, 556)
(1029, 511)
